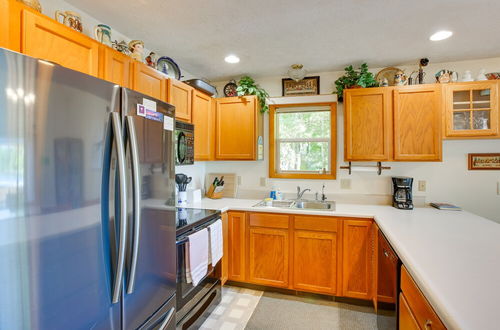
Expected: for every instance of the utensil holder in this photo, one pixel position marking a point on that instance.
(215, 192)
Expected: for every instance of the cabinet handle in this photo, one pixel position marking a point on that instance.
(428, 324)
(386, 254)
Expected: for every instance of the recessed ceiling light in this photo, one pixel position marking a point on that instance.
(232, 59)
(441, 35)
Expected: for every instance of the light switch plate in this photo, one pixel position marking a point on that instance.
(263, 181)
(239, 180)
(345, 183)
(498, 188)
(422, 185)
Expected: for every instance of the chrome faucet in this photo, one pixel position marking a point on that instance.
(301, 193)
(323, 197)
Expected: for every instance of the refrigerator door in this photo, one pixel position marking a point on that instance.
(151, 260)
(57, 266)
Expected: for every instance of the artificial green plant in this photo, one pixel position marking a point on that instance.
(247, 86)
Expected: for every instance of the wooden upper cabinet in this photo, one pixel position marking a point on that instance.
(44, 38)
(115, 66)
(149, 81)
(180, 95)
(238, 129)
(203, 118)
(237, 246)
(357, 268)
(367, 124)
(4, 23)
(471, 109)
(417, 123)
(315, 256)
(268, 256)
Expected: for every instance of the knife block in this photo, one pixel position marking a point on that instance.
(215, 192)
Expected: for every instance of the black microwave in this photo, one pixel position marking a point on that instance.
(184, 143)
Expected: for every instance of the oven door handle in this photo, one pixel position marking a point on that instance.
(184, 238)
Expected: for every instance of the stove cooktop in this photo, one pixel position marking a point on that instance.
(186, 218)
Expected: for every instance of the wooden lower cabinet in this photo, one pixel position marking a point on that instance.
(315, 261)
(358, 250)
(406, 319)
(268, 256)
(237, 249)
(387, 263)
(420, 309)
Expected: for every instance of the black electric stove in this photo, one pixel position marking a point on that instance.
(187, 219)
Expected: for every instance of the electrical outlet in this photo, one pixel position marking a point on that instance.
(498, 188)
(422, 185)
(345, 183)
(263, 181)
(239, 180)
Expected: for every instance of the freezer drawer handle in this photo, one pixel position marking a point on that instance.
(117, 135)
(136, 203)
(167, 319)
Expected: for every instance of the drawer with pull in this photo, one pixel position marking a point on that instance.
(419, 306)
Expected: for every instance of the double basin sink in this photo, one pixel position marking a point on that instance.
(299, 204)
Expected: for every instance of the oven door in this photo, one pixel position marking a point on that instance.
(187, 294)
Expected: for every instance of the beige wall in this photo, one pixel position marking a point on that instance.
(447, 181)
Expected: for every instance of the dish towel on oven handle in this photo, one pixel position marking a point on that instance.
(215, 250)
(197, 256)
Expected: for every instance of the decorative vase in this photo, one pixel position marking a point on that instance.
(102, 33)
(35, 4)
(71, 19)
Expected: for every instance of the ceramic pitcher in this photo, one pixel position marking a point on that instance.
(71, 19)
(102, 33)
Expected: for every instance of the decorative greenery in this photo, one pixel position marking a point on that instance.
(247, 86)
(351, 78)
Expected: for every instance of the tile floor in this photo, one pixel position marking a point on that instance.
(238, 304)
(235, 309)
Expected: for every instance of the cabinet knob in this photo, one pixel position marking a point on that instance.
(386, 254)
(428, 324)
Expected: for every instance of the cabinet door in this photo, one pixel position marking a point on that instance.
(357, 270)
(204, 122)
(236, 239)
(417, 123)
(225, 255)
(268, 256)
(236, 125)
(407, 320)
(115, 67)
(367, 124)
(387, 271)
(4, 24)
(315, 261)
(472, 109)
(44, 38)
(179, 95)
(149, 81)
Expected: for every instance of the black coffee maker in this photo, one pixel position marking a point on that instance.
(402, 198)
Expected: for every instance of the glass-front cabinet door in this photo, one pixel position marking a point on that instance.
(472, 109)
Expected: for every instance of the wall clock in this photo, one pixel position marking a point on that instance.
(230, 89)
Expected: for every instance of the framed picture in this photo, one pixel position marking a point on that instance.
(484, 161)
(306, 86)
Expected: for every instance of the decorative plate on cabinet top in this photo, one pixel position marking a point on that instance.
(169, 67)
(388, 73)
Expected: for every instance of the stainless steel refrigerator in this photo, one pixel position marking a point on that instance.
(83, 163)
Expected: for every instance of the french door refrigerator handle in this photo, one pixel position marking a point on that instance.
(120, 260)
(136, 202)
(167, 319)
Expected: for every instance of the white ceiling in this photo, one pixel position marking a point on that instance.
(324, 35)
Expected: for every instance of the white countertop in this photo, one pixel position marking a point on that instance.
(454, 256)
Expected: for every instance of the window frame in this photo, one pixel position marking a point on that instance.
(273, 144)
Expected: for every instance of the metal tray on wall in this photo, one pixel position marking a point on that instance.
(202, 86)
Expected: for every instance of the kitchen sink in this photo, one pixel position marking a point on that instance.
(314, 205)
(300, 204)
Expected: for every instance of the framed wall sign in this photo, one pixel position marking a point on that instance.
(484, 161)
(306, 86)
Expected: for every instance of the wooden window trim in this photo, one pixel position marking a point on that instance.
(333, 143)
